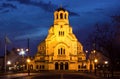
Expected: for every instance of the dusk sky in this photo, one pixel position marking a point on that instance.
(23, 19)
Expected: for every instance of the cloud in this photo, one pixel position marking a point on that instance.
(8, 5)
(73, 13)
(5, 11)
(45, 6)
(5, 7)
(48, 7)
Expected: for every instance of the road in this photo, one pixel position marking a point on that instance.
(49, 75)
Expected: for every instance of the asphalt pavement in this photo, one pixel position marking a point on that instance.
(50, 75)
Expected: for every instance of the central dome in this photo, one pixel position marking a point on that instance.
(60, 9)
(61, 15)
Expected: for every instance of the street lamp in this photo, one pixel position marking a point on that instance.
(28, 61)
(86, 51)
(106, 62)
(22, 51)
(95, 65)
(8, 63)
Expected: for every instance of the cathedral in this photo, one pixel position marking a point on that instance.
(60, 50)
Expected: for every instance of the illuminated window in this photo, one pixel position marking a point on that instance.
(83, 65)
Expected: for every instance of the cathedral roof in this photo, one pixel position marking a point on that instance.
(60, 9)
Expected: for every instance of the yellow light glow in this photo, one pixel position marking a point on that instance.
(28, 60)
(18, 49)
(9, 62)
(95, 60)
(106, 62)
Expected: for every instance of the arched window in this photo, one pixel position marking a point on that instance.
(36, 66)
(65, 16)
(56, 66)
(61, 66)
(43, 66)
(61, 16)
(78, 66)
(64, 51)
(40, 67)
(66, 65)
(56, 16)
(58, 51)
(59, 33)
(61, 51)
(63, 33)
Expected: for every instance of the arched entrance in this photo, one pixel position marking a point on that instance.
(56, 66)
(31, 67)
(66, 65)
(61, 66)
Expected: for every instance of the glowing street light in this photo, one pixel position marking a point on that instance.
(106, 62)
(8, 62)
(96, 61)
(94, 51)
(22, 51)
(28, 61)
(86, 51)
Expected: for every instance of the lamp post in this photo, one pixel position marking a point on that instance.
(95, 65)
(22, 52)
(105, 68)
(8, 63)
(106, 62)
(28, 61)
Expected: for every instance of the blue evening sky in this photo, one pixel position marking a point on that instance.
(22, 19)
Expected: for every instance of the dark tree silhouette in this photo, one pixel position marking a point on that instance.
(106, 39)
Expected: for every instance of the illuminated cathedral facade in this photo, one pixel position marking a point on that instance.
(60, 50)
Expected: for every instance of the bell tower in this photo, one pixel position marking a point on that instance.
(61, 16)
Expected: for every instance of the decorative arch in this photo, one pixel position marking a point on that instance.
(62, 43)
(66, 65)
(56, 66)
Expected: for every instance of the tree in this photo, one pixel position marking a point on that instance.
(106, 38)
